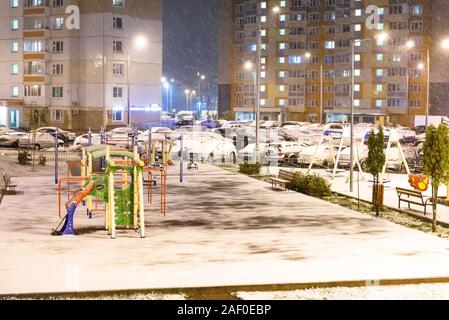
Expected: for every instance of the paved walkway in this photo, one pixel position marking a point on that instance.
(221, 229)
(364, 189)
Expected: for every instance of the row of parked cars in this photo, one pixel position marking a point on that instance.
(40, 138)
(289, 143)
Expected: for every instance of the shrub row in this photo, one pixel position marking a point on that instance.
(311, 185)
(250, 168)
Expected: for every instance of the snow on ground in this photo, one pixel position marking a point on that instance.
(403, 292)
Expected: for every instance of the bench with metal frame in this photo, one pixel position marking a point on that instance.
(413, 197)
(284, 178)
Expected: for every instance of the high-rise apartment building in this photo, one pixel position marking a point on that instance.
(306, 59)
(107, 72)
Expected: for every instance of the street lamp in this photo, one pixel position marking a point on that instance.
(140, 43)
(381, 38)
(187, 92)
(167, 89)
(201, 77)
(275, 10)
(249, 66)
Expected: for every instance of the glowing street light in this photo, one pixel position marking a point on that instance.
(140, 42)
(276, 9)
(445, 44)
(410, 44)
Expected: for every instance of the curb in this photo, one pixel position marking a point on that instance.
(227, 291)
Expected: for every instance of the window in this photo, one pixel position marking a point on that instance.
(58, 46)
(15, 69)
(33, 46)
(117, 69)
(58, 116)
(117, 115)
(34, 67)
(14, 3)
(58, 3)
(32, 90)
(58, 23)
(58, 69)
(117, 92)
(118, 3)
(14, 46)
(117, 22)
(57, 92)
(14, 91)
(117, 46)
(14, 24)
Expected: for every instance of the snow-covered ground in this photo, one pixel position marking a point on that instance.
(403, 292)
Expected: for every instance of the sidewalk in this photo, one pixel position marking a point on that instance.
(364, 188)
(221, 230)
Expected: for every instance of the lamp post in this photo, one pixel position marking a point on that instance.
(201, 77)
(275, 10)
(249, 66)
(140, 43)
(187, 93)
(381, 37)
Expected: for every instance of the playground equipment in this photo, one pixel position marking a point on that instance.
(119, 186)
(393, 140)
(329, 136)
(419, 182)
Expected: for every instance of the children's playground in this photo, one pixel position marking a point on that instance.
(130, 219)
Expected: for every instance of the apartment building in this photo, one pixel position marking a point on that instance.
(107, 72)
(306, 60)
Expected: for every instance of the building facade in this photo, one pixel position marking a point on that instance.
(306, 59)
(107, 72)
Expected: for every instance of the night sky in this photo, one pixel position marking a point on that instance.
(190, 40)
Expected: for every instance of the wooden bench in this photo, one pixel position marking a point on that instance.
(284, 177)
(413, 197)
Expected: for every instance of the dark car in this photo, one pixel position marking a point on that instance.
(420, 130)
(210, 124)
(184, 123)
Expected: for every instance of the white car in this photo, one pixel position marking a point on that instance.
(249, 152)
(83, 140)
(11, 138)
(39, 141)
(285, 152)
(324, 155)
(207, 146)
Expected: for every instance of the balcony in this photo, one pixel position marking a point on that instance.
(396, 110)
(297, 109)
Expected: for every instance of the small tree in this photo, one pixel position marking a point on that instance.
(436, 162)
(375, 164)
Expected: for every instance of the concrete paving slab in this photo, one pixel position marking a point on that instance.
(221, 230)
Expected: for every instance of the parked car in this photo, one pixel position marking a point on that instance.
(39, 141)
(285, 152)
(10, 139)
(211, 124)
(63, 135)
(184, 123)
(324, 155)
(83, 140)
(249, 152)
